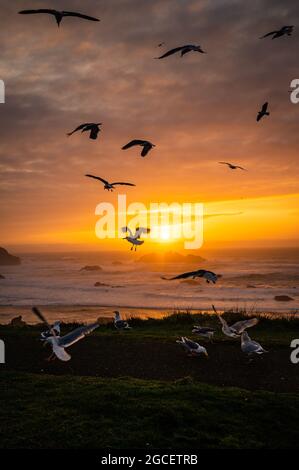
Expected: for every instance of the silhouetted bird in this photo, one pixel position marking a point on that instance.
(92, 127)
(59, 15)
(183, 50)
(233, 167)
(161, 44)
(208, 275)
(147, 146)
(107, 185)
(263, 112)
(285, 30)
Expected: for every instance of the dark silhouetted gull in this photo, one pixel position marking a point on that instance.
(107, 185)
(134, 239)
(91, 127)
(119, 323)
(263, 112)
(183, 50)
(285, 30)
(232, 166)
(60, 343)
(59, 15)
(192, 348)
(147, 146)
(208, 275)
(235, 330)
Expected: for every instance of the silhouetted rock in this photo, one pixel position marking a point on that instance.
(91, 268)
(170, 257)
(283, 298)
(7, 259)
(18, 322)
(2, 277)
(101, 284)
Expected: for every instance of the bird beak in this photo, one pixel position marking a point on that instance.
(206, 354)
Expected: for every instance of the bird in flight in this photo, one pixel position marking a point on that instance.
(183, 50)
(59, 343)
(209, 276)
(233, 167)
(263, 112)
(161, 44)
(285, 30)
(59, 15)
(119, 323)
(235, 330)
(145, 144)
(134, 239)
(91, 127)
(192, 348)
(107, 185)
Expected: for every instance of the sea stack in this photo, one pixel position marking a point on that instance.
(7, 259)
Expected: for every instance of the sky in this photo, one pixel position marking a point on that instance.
(198, 110)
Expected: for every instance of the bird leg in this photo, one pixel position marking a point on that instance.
(51, 357)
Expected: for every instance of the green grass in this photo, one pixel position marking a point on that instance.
(75, 412)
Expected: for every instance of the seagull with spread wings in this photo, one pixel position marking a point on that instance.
(134, 239)
(183, 50)
(232, 166)
(284, 31)
(109, 186)
(235, 330)
(263, 112)
(145, 144)
(60, 343)
(209, 276)
(192, 348)
(93, 128)
(58, 15)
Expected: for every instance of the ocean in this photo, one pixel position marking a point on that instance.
(250, 279)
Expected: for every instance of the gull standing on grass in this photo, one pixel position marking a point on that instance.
(59, 343)
(192, 348)
(235, 330)
(204, 331)
(119, 323)
(249, 346)
(134, 239)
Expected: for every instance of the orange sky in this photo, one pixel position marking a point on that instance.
(197, 110)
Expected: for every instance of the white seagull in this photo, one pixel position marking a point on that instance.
(109, 186)
(235, 330)
(119, 323)
(183, 50)
(249, 346)
(59, 343)
(134, 239)
(145, 144)
(58, 15)
(209, 276)
(204, 331)
(55, 327)
(192, 348)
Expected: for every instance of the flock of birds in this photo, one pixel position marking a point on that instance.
(53, 336)
(59, 344)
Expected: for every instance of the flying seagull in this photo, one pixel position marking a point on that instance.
(285, 30)
(183, 50)
(192, 348)
(55, 327)
(235, 330)
(91, 127)
(147, 146)
(204, 331)
(59, 343)
(232, 166)
(208, 275)
(119, 323)
(249, 346)
(263, 112)
(59, 15)
(134, 239)
(107, 185)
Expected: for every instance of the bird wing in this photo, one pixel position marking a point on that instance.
(172, 51)
(97, 178)
(123, 184)
(204, 329)
(79, 128)
(41, 317)
(240, 326)
(140, 230)
(224, 163)
(180, 276)
(268, 34)
(127, 229)
(94, 132)
(146, 148)
(222, 321)
(41, 10)
(241, 168)
(190, 344)
(132, 143)
(77, 334)
(79, 15)
(264, 107)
